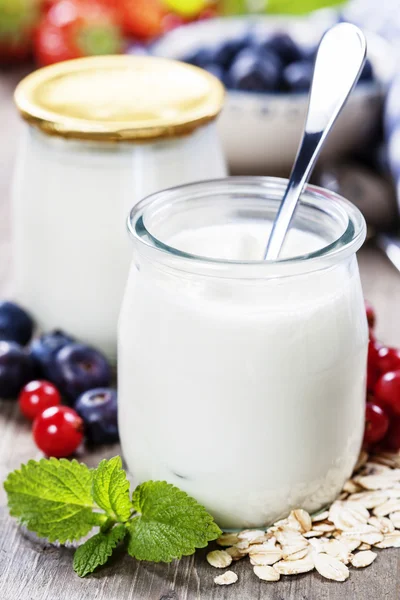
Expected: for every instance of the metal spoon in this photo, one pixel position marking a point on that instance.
(340, 59)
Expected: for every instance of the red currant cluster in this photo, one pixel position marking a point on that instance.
(57, 430)
(382, 419)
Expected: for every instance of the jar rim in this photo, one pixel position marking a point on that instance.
(347, 243)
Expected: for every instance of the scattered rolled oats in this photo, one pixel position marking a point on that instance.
(226, 578)
(252, 536)
(266, 573)
(228, 539)
(351, 543)
(363, 559)
(337, 549)
(375, 482)
(391, 540)
(303, 519)
(324, 526)
(365, 514)
(369, 499)
(384, 524)
(219, 559)
(264, 554)
(351, 487)
(313, 533)
(392, 505)
(322, 516)
(242, 545)
(235, 553)
(294, 552)
(364, 546)
(364, 533)
(395, 519)
(317, 544)
(289, 537)
(294, 567)
(330, 567)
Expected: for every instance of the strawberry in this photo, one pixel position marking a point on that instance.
(76, 28)
(142, 19)
(18, 19)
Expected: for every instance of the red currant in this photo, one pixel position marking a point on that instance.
(388, 360)
(376, 424)
(372, 366)
(58, 431)
(387, 391)
(372, 378)
(371, 317)
(36, 396)
(391, 441)
(373, 349)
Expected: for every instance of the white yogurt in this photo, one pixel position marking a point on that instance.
(247, 394)
(71, 251)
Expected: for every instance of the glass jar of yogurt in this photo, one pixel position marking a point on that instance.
(99, 134)
(242, 381)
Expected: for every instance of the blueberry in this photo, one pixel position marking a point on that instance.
(98, 409)
(16, 325)
(282, 44)
(78, 368)
(16, 369)
(227, 50)
(367, 74)
(297, 77)
(44, 349)
(215, 70)
(251, 73)
(200, 57)
(309, 53)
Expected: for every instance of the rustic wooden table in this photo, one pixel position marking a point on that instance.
(31, 570)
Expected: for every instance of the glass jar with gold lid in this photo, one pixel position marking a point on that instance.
(101, 133)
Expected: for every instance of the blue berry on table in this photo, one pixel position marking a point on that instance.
(44, 349)
(16, 369)
(16, 325)
(98, 409)
(78, 368)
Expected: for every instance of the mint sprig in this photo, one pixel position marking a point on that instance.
(53, 498)
(169, 524)
(63, 500)
(111, 489)
(96, 551)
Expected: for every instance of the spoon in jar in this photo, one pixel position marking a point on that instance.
(340, 59)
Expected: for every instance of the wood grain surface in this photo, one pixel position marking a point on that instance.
(34, 570)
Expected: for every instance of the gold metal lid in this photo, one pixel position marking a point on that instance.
(119, 98)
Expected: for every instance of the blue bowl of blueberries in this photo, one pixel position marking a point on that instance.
(266, 64)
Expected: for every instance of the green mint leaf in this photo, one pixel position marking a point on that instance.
(53, 498)
(171, 524)
(111, 489)
(97, 550)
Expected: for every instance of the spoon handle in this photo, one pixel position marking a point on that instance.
(340, 59)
